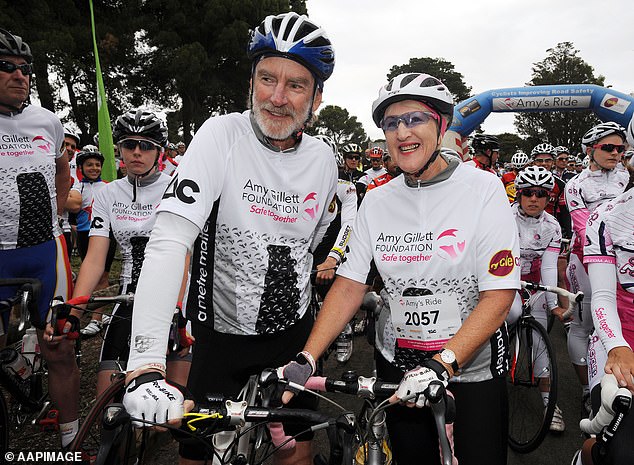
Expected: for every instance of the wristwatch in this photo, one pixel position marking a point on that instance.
(448, 356)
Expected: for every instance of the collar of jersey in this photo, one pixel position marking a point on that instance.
(445, 174)
(265, 140)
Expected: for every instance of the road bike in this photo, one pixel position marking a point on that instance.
(532, 376)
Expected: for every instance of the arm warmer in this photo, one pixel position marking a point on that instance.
(549, 275)
(157, 291)
(604, 313)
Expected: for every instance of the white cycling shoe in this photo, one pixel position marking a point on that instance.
(557, 424)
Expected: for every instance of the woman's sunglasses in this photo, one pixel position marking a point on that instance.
(537, 192)
(145, 145)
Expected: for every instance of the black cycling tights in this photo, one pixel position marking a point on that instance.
(480, 429)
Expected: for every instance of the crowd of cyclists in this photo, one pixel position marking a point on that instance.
(275, 239)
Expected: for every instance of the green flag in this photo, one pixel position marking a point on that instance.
(109, 171)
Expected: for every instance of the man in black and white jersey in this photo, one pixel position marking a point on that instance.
(244, 195)
(34, 183)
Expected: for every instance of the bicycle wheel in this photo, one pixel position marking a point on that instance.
(533, 371)
(90, 437)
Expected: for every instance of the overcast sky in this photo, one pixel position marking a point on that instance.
(493, 43)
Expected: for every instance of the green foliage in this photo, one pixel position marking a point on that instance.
(561, 66)
(336, 122)
(509, 144)
(439, 68)
(185, 56)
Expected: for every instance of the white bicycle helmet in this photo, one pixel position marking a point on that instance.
(70, 132)
(297, 38)
(586, 161)
(90, 148)
(561, 149)
(544, 148)
(414, 86)
(535, 176)
(601, 130)
(352, 148)
(519, 160)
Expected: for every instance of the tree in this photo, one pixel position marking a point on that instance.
(561, 66)
(509, 144)
(439, 68)
(336, 123)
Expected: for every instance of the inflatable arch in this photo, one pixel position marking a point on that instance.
(607, 104)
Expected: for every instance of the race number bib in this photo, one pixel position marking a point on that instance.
(425, 322)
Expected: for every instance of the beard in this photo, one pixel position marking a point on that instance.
(279, 130)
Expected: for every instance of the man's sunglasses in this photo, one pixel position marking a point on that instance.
(610, 147)
(410, 120)
(353, 157)
(132, 144)
(537, 192)
(9, 67)
(562, 159)
(543, 160)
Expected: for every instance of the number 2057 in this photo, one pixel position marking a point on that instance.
(421, 318)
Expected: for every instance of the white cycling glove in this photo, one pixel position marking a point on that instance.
(415, 382)
(150, 396)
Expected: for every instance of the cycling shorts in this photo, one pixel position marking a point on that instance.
(47, 262)
(222, 364)
(480, 407)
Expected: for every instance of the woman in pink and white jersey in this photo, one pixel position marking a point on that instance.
(609, 255)
(604, 179)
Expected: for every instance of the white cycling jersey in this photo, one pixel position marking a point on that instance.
(585, 192)
(370, 174)
(30, 142)
(610, 240)
(260, 211)
(450, 240)
(540, 243)
(131, 222)
(87, 189)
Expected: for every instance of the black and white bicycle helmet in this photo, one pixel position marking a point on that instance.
(601, 130)
(90, 148)
(297, 38)
(86, 154)
(519, 160)
(351, 148)
(561, 149)
(414, 86)
(483, 142)
(140, 123)
(13, 45)
(330, 143)
(535, 176)
(543, 149)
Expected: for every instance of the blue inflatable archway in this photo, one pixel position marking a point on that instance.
(607, 104)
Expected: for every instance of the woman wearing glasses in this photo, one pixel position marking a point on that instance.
(126, 208)
(603, 180)
(446, 247)
(540, 242)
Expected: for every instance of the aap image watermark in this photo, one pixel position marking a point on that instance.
(42, 456)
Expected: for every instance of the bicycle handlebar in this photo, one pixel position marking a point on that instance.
(615, 404)
(573, 299)
(28, 296)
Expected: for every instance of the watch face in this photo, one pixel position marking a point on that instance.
(448, 356)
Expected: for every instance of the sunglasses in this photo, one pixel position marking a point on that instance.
(353, 157)
(610, 147)
(562, 159)
(410, 120)
(132, 144)
(537, 192)
(9, 67)
(543, 160)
